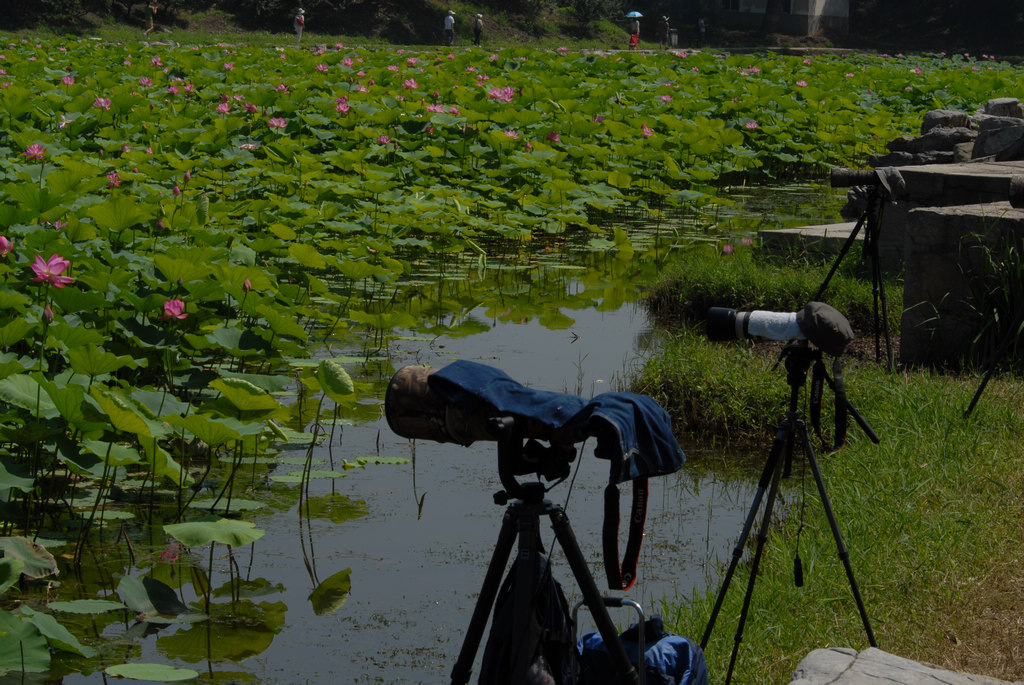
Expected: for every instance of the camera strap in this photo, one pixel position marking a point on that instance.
(622, 576)
(819, 376)
(817, 393)
(839, 388)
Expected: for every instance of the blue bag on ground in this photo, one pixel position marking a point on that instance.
(669, 659)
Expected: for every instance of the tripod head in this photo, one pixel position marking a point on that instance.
(799, 357)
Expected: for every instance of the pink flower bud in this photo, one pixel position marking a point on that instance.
(47, 314)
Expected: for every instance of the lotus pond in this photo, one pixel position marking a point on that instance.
(214, 258)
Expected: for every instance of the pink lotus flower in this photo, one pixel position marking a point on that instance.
(6, 246)
(801, 84)
(68, 80)
(281, 88)
(156, 62)
(727, 249)
(247, 286)
(35, 152)
(751, 125)
(145, 82)
(101, 103)
(174, 309)
(645, 131)
(251, 108)
(383, 140)
(342, 108)
(50, 271)
(173, 90)
(501, 94)
(175, 191)
(512, 133)
(224, 108)
(277, 122)
(47, 314)
(228, 66)
(322, 68)
(554, 137)
(666, 98)
(410, 84)
(113, 180)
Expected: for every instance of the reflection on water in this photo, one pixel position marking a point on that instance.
(562, 320)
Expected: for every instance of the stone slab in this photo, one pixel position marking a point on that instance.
(836, 666)
(823, 239)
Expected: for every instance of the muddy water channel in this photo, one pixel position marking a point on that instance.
(398, 549)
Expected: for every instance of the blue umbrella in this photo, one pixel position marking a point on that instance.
(634, 15)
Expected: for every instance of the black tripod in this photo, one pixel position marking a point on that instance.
(882, 185)
(522, 519)
(798, 357)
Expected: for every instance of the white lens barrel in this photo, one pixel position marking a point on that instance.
(773, 325)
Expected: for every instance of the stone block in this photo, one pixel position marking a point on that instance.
(944, 249)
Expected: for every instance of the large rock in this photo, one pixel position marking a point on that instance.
(913, 159)
(942, 138)
(1001, 138)
(946, 118)
(1004, 107)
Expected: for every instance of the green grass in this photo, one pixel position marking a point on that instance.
(742, 280)
(926, 514)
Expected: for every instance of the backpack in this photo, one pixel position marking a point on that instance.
(548, 639)
(668, 659)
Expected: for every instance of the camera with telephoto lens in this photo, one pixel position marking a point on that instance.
(818, 323)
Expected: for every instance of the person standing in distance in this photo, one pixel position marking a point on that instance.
(449, 28)
(478, 29)
(151, 9)
(634, 33)
(664, 32)
(299, 23)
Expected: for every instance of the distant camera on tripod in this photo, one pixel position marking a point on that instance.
(818, 323)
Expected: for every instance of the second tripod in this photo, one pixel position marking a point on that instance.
(792, 429)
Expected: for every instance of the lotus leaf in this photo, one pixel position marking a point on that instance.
(225, 531)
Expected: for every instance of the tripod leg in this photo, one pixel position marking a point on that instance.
(844, 555)
(737, 552)
(485, 602)
(624, 670)
(842, 253)
(525, 590)
(876, 269)
(785, 435)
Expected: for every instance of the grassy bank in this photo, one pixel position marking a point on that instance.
(931, 516)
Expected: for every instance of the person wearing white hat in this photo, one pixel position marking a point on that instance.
(478, 29)
(449, 28)
(299, 23)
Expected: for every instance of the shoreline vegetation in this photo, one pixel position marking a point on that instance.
(931, 516)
